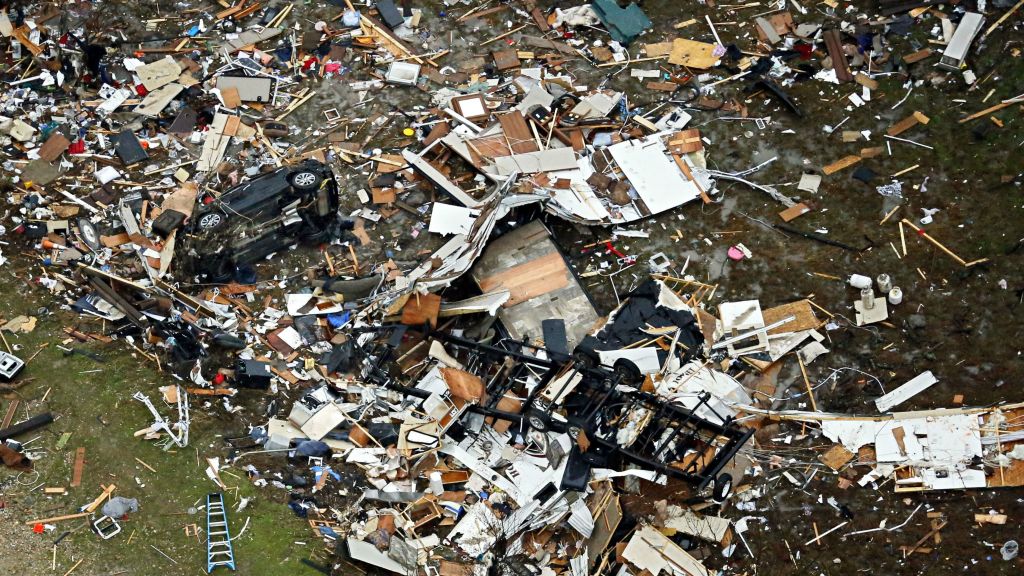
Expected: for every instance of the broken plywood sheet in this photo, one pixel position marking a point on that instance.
(157, 100)
(183, 199)
(653, 552)
(159, 73)
(836, 457)
(54, 146)
(529, 279)
(528, 264)
(216, 143)
(692, 54)
(802, 309)
(250, 37)
(939, 447)
(463, 385)
(657, 179)
(532, 162)
(709, 528)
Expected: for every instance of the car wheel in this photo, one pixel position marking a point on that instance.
(305, 180)
(723, 487)
(90, 235)
(211, 221)
(537, 421)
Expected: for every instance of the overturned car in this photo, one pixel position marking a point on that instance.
(261, 216)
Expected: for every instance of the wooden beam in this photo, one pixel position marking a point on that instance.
(99, 499)
(57, 518)
(76, 474)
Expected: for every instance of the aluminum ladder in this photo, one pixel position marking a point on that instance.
(218, 540)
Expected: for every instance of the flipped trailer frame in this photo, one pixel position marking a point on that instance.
(675, 441)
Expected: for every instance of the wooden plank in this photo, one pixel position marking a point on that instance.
(517, 131)
(540, 20)
(907, 123)
(107, 491)
(530, 279)
(12, 408)
(834, 43)
(76, 474)
(840, 164)
(685, 168)
(917, 56)
(53, 519)
(793, 212)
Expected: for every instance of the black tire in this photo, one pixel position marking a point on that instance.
(537, 420)
(305, 180)
(628, 372)
(220, 271)
(723, 487)
(90, 235)
(211, 221)
(317, 237)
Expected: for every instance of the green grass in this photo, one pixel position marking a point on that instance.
(92, 401)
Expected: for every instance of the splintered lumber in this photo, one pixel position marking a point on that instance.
(12, 409)
(934, 531)
(295, 105)
(53, 519)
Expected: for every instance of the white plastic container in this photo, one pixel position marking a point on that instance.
(859, 281)
(895, 295)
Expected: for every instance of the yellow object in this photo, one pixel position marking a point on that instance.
(408, 131)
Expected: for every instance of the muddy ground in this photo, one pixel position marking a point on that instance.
(961, 323)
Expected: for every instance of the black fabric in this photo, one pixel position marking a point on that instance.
(640, 311)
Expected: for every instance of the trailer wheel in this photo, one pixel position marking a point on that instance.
(585, 358)
(628, 372)
(723, 487)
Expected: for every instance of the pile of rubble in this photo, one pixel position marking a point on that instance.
(459, 399)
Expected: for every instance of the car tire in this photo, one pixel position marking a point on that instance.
(537, 421)
(723, 487)
(305, 180)
(211, 221)
(90, 235)
(221, 271)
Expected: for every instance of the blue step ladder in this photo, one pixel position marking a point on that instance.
(218, 540)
